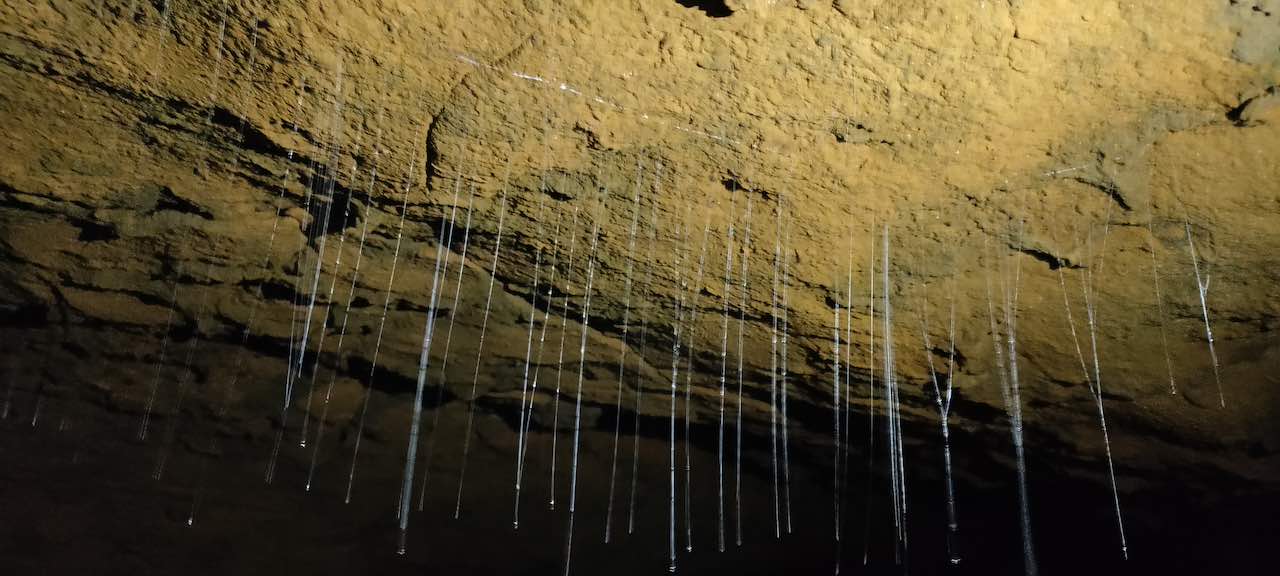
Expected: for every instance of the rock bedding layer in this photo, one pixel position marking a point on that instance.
(157, 154)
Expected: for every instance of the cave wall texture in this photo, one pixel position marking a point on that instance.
(170, 171)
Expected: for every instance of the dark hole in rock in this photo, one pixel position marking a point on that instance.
(712, 8)
(91, 231)
(271, 289)
(334, 205)
(380, 378)
(168, 200)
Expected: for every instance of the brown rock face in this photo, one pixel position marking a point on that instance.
(224, 227)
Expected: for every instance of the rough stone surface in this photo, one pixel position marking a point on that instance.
(147, 155)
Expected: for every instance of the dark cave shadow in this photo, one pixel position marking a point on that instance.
(712, 8)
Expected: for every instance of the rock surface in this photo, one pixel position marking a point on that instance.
(157, 154)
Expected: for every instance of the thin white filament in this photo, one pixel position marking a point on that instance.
(724, 366)
(183, 384)
(484, 325)
(622, 358)
(742, 312)
(424, 362)
(1202, 288)
(577, 412)
(1090, 302)
(564, 321)
(942, 400)
(528, 359)
(835, 422)
(773, 372)
(382, 322)
(1024, 504)
(696, 291)
(346, 315)
(782, 380)
(676, 328)
(871, 377)
(647, 291)
(542, 340)
(444, 362)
